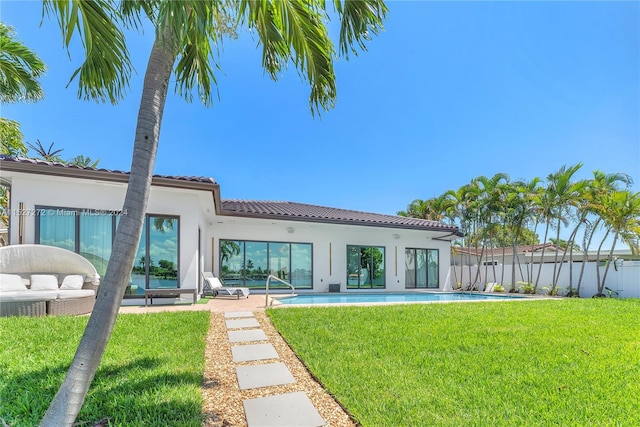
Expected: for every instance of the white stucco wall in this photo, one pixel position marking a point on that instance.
(37, 190)
(330, 246)
(196, 212)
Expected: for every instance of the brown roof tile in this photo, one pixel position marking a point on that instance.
(247, 208)
(301, 211)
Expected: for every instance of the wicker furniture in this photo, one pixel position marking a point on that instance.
(55, 281)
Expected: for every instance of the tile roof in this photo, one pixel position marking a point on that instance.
(64, 166)
(305, 212)
(247, 208)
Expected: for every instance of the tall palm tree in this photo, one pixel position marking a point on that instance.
(620, 211)
(186, 36)
(564, 192)
(596, 190)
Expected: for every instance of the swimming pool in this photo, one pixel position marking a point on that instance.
(369, 298)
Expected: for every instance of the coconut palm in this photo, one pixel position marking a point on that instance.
(187, 36)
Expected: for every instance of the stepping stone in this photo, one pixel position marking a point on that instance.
(255, 376)
(247, 335)
(247, 353)
(291, 410)
(242, 323)
(233, 314)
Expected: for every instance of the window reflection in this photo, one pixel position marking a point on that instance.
(421, 268)
(365, 267)
(249, 263)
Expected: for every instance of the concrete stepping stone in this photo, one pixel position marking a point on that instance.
(245, 335)
(247, 353)
(234, 314)
(242, 323)
(255, 376)
(291, 410)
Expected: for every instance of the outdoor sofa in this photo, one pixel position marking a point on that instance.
(38, 280)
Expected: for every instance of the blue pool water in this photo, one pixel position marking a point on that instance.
(356, 298)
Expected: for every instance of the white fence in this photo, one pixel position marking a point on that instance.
(624, 277)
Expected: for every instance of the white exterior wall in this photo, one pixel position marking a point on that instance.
(625, 279)
(196, 211)
(330, 246)
(189, 205)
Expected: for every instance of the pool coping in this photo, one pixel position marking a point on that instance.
(274, 302)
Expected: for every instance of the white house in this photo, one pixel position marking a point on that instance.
(191, 229)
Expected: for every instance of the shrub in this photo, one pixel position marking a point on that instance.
(527, 287)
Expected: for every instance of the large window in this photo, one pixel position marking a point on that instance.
(156, 263)
(421, 268)
(249, 263)
(365, 267)
(90, 233)
(84, 231)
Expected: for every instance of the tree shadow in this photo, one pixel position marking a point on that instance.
(145, 391)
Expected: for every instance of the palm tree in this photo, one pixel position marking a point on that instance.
(48, 154)
(596, 190)
(20, 69)
(620, 211)
(187, 34)
(84, 161)
(563, 192)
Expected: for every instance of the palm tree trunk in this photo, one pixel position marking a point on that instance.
(609, 260)
(544, 242)
(600, 285)
(68, 401)
(586, 243)
(554, 281)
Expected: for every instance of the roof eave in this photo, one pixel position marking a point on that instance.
(223, 212)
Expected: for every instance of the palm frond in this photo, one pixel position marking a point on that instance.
(359, 21)
(20, 68)
(104, 75)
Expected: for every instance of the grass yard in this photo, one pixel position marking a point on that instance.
(570, 362)
(151, 374)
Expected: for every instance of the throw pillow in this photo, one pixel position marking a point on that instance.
(44, 282)
(72, 281)
(11, 282)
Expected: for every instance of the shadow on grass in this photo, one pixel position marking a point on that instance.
(145, 391)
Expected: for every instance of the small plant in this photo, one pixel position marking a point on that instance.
(551, 291)
(527, 287)
(498, 288)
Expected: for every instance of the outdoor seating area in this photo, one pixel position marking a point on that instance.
(38, 280)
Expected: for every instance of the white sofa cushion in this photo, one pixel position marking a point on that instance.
(72, 282)
(44, 282)
(79, 293)
(11, 282)
(16, 296)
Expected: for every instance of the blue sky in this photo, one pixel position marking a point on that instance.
(450, 91)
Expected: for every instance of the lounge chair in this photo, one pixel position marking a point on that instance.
(213, 286)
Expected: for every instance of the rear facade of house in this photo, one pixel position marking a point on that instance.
(189, 229)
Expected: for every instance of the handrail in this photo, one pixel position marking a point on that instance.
(271, 276)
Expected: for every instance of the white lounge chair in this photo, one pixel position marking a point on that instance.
(213, 286)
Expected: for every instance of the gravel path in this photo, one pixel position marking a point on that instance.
(222, 397)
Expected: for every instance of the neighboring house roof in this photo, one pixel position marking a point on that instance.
(232, 207)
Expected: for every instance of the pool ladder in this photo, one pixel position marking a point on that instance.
(271, 276)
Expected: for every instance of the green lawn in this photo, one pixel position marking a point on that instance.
(151, 373)
(572, 362)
